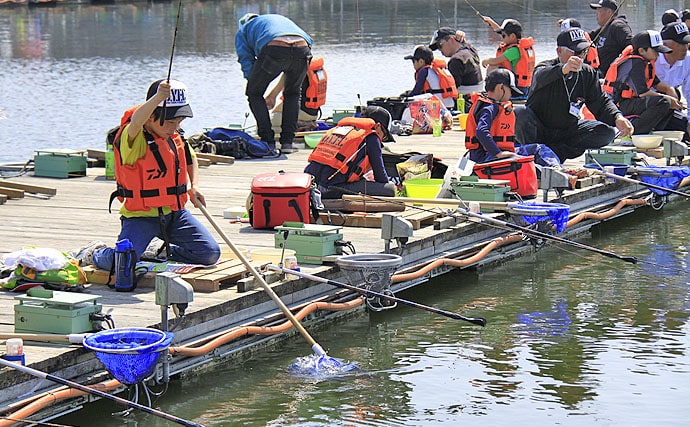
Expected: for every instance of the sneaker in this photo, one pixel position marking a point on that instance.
(85, 254)
(288, 148)
(154, 249)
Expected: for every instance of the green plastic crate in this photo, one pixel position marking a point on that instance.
(611, 155)
(311, 242)
(62, 313)
(59, 163)
(481, 190)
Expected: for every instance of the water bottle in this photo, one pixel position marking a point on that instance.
(437, 128)
(109, 162)
(125, 263)
(460, 104)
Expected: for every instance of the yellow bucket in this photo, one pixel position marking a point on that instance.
(423, 188)
(462, 120)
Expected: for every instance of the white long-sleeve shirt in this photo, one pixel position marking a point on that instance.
(676, 75)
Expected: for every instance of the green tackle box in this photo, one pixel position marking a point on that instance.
(611, 155)
(311, 242)
(59, 163)
(472, 188)
(56, 313)
(341, 114)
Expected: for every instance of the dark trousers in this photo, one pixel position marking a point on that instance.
(273, 60)
(567, 143)
(653, 112)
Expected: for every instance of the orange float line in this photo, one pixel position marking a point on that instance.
(457, 262)
(607, 214)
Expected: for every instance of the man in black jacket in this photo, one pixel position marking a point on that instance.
(560, 88)
(613, 34)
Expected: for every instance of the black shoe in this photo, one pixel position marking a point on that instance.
(288, 148)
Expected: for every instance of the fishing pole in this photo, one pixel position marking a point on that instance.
(510, 226)
(635, 181)
(95, 392)
(535, 233)
(615, 12)
(366, 292)
(172, 53)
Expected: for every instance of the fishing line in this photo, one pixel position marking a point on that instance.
(172, 53)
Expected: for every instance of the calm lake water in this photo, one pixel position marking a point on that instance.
(573, 338)
(70, 71)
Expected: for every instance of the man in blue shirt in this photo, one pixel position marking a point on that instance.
(268, 45)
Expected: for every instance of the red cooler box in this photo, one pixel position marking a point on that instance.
(280, 197)
(519, 171)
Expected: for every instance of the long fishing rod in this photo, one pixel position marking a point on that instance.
(615, 12)
(172, 53)
(507, 225)
(635, 181)
(366, 292)
(535, 233)
(95, 392)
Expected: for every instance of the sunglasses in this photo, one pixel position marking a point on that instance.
(582, 54)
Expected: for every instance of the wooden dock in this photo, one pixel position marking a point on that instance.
(76, 212)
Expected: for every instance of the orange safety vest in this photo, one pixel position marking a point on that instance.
(156, 180)
(592, 54)
(610, 83)
(446, 81)
(502, 128)
(318, 83)
(524, 68)
(339, 147)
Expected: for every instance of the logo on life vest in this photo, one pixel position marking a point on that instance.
(155, 174)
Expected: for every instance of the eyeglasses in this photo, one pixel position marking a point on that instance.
(582, 54)
(442, 42)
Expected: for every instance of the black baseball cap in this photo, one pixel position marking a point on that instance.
(574, 39)
(509, 26)
(676, 31)
(440, 34)
(671, 15)
(647, 39)
(382, 116)
(422, 52)
(502, 76)
(570, 23)
(177, 104)
(611, 4)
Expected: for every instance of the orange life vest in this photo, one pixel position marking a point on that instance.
(156, 180)
(447, 87)
(592, 54)
(524, 68)
(610, 84)
(318, 83)
(502, 128)
(340, 145)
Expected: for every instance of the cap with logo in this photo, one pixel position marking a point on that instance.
(649, 39)
(177, 104)
(382, 116)
(676, 31)
(502, 76)
(509, 26)
(570, 23)
(440, 34)
(422, 52)
(611, 4)
(574, 39)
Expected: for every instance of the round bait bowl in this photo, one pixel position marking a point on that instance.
(129, 354)
(647, 141)
(312, 139)
(372, 271)
(423, 188)
(671, 134)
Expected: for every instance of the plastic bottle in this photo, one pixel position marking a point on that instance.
(438, 130)
(460, 104)
(125, 263)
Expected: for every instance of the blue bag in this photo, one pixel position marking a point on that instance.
(254, 147)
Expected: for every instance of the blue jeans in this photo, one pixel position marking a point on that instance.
(273, 60)
(190, 242)
(567, 143)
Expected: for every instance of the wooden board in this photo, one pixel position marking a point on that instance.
(343, 205)
(224, 274)
(216, 158)
(11, 193)
(417, 218)
(50, 191)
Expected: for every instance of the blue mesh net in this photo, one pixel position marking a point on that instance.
(129, 354)
(556, 213)
(663, 176)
